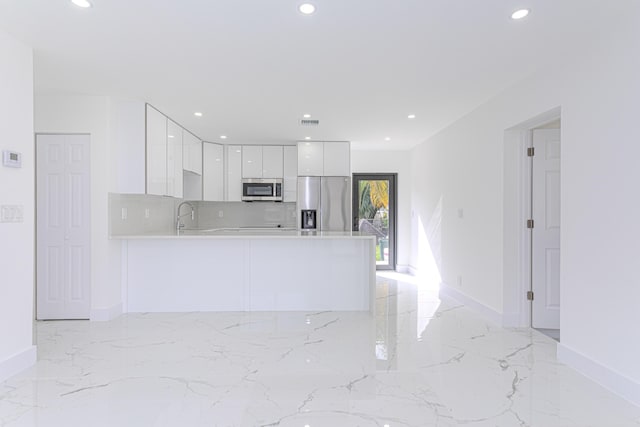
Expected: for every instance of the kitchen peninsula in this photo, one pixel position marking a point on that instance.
(248, 270)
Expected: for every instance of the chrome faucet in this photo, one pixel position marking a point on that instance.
(180, 225)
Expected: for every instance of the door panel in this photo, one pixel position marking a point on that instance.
(63, 227)
(374, 212)
(546, 232)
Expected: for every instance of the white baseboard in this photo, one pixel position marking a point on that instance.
(488, 312)
(105, 314)
(18, 362)
(404, 269)
(512, 320)
(412, 270)
(606, 377)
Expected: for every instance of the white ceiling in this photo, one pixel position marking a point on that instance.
(253, 67)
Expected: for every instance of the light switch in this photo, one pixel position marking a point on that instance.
(146, 213)
(11, 213)
(220, 214)
(124, 214)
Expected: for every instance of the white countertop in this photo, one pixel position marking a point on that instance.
(249, 233)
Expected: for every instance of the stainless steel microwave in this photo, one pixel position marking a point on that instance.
(262, 190)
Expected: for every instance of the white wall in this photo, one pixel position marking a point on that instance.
(463, 167)
(92, 114)
(391, 162)
(16, 188)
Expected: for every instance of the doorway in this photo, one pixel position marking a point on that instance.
(375, 211)
(545, 229)
(63, 226)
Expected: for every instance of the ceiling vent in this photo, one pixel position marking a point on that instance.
(309, 122)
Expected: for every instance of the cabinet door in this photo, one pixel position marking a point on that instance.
(310, 158)
(234, 173)
(337, 160)
(156, 152)
(192, 149)
(174, 160)
(272, 161)
(290, 169)
(252, 161)
(212, 172)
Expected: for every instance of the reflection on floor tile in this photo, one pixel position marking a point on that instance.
(420, 361)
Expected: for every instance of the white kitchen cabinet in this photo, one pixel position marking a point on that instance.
(290, 173)
(252, 161)
(192, 151)
(213, 172)
(174, 160)
(156, 152)
(234, 173)
(337, 160)
(272, 161)
(129, 130)
(310, 158)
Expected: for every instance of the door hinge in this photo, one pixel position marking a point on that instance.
(531, 151)
(529, 223)
(529, 295)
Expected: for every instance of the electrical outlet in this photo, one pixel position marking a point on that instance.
(124, 214)
(147, 214)
(220, 214)
(459, 281)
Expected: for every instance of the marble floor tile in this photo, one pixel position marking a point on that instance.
(419, 361)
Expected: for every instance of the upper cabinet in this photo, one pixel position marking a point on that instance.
(337, 159)
(324, 159)
(262, 161)
(156, 152)
(164, 155)
(234, 173)
(290, 175)
(213, 172)
(128, 126)
(310, 158)
(174, 160)
(192, 151)
(252, 161)
(272, 161)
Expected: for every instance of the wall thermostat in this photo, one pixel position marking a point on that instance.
(12, 159)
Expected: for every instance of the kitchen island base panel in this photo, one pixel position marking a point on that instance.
(175, 275)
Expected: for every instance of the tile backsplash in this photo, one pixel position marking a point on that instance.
(138, 214)
(243, 214)
(134, 214)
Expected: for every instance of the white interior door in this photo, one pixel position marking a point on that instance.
(63, 227)
(546, 231)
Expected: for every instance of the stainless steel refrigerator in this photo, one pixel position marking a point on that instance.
(324, 203)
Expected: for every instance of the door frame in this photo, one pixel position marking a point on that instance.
(392, 177)
(517, 176)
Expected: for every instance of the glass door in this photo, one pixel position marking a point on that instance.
(374, 212)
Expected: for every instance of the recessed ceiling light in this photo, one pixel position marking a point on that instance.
(307, 8)
(411, 116)
(81, 3)
(307, 138)
(197, 114)
(223, 136)
(170, 136)
(519, 14)
(306, 116)
(387, 139)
